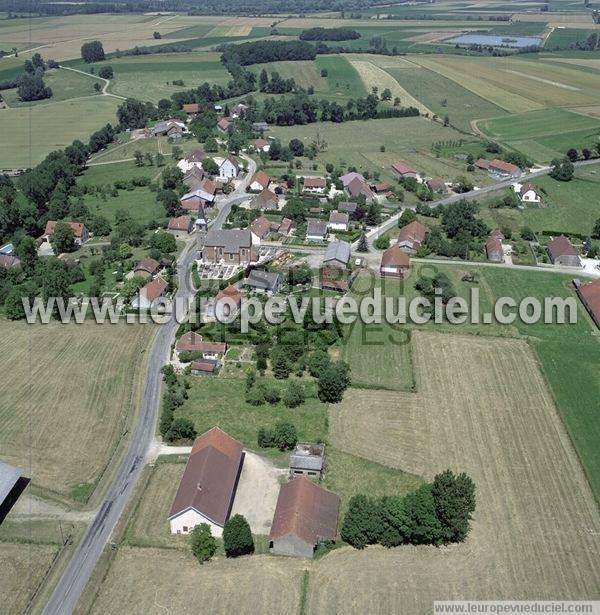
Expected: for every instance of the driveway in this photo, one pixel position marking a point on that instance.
(257, 491)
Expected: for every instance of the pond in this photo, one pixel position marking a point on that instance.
(496, 41)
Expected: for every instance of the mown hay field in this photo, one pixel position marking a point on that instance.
(22, 569)
(30, 134)
(69, 399)
(152, 581)
(481, 406)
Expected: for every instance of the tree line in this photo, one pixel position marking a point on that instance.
(436, 513)
(329, 34)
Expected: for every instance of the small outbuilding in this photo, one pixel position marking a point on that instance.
(12, 485)
(307, 460)
(262, 281)
(305, 516)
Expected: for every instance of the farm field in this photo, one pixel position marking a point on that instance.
(149, 579)
(518, 85)
(22, 569)
(544, 135)
(65, 85)
(63, 430)
(27, 136)
(151, 77)
(409, 139)
(461, 105)
(570, 207)
(482, 407)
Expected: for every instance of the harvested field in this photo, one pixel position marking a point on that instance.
(69, 399)
(22, 568)
(373, 75)
(153, 581)
(482, 406)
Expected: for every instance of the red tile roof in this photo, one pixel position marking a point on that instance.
(203, 366)
(305, 510)
(315, 182)
(394, 256)
(260, 177)
(402, 168)
(191, 108)
(261, 227)
(209, 479)
(149, 265)
(181, 223)
(482, 163)
(590, 294)
(193, 342)
(232, 292)
(260, 143)
(492, 245)
(561, 246)
(413, 232)
(505, 167)
(223, 123)
(77, 227)
(154, 289)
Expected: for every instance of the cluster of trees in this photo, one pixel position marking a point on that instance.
(93, 51)
(586, 153)
(176, 392)
(562, 170)
(282, 436)
(143, 51)
(437, 513)
(261, 392)
(276, 84)
(329, 34)
(460, 230)
(440, 281)
(590, 43)
(259, 52)
(32, 87)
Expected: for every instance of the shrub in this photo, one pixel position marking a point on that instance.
(237, 537)
(294, 395)
(202, 542)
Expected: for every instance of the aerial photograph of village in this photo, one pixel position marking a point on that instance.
(300, 307)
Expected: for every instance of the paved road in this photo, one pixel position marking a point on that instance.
(78, 571)
(391, 222)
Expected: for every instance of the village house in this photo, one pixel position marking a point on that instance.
(174, 129)
(527, 193)
(590, 297)
(260, 126)
(401, 170)
(347, 207)
(395, 262)
(146, 268)
(350, 177)
(229, 168)
(79, 230)
(315, 185)
(262, 281)
(261, 145)
(305, 516)
(193, 159)
(357, 188)
(230, 246)
(334, 278)
(307, 460)
(227, 303)
(316, 230)
(337, 254)
(148, 295)
(338, 221)
(436, 184)
(193, 342)
(239, 110)
(380, 188)
(493, 249)
(265, 200)
(181, 226)
(562, 253)
(207, 487)
(191, 108)
(223, 125)
(201, 196)
(260, 181)
(412, 236)
(500, 169)
(192, 180)
(261, 227)
(483, 164)
(286, 227)
(204, 367)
